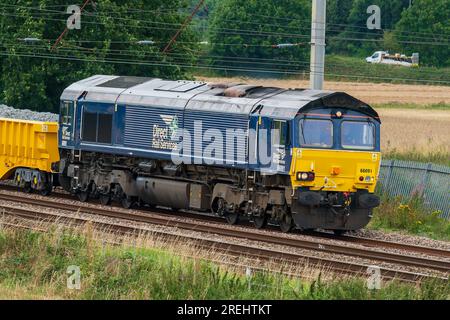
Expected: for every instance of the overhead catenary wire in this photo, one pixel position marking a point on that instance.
(271, 18)
(239, 21)
(263, 34)
(266, 71)
(205, 55)
(259, 33)
(183, 26)
(183, 56)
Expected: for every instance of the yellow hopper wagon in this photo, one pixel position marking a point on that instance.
(29, 153)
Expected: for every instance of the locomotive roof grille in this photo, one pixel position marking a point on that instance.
(124, 82)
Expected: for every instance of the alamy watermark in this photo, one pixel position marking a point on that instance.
(74, 21)
(374, 21)
(74, 278)
(374, 280)
(262, 147)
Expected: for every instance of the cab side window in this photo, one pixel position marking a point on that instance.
(280, 132)
(66, 113)
(97, 127)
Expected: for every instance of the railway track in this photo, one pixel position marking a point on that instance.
(232, 249)
(249, 234)
(367, 242)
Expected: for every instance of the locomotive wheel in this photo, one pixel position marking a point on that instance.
(220, 209)
(105, 199)
(127, 202)
(232, 218)
(83, 196)
(286, 223)
(260, 221)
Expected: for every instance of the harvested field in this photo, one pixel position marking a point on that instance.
(372, 93)
(406, 130)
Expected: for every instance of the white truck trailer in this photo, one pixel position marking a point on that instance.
(384, 57)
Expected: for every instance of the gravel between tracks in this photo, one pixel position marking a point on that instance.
(403, 238)
(199, 235)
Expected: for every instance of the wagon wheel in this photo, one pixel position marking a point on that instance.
(105, 199)
(83, 196)
(286, 223)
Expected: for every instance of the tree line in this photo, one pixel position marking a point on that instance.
(127, 37)
(120, 37)
(406, 26)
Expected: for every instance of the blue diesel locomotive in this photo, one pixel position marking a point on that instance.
(298, 158)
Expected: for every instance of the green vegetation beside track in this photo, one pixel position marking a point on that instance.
(441, 157)
(33, 266)
(410, 217)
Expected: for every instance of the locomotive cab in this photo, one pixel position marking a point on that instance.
(335, 166)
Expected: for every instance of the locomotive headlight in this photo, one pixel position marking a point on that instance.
(306, 176)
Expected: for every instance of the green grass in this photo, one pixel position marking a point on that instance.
(33, 265)
(396, 214)
(440, 157)
(414, 106)
(339, 67)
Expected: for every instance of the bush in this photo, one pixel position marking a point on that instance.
(411, 216)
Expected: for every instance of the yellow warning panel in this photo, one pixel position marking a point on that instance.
(336, 170)
(27, 144)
